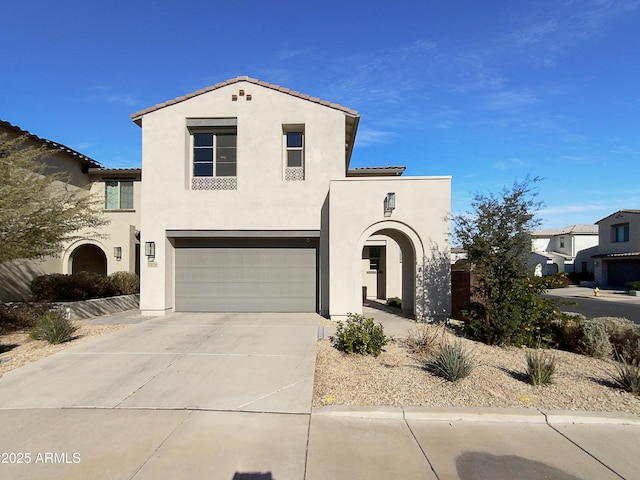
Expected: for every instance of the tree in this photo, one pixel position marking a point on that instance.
(39, 210)
(496, 236)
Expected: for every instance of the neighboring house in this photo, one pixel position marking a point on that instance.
(618, 259)
(563, 250)
(250, 204)
(117, 249)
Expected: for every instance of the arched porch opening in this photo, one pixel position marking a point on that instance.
(88, 258)
(389, 260)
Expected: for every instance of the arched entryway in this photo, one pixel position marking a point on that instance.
(391, 250)
(88, 258)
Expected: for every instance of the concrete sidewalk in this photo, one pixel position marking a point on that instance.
(214, 396)
(370, 443)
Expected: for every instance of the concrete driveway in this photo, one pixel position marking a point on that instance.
(240, 362)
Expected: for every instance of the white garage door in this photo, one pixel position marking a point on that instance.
(246, 279)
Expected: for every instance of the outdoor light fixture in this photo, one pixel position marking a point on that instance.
(150, 249)
(117, 252)
(389, 204)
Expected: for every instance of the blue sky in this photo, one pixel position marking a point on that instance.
(485, 91)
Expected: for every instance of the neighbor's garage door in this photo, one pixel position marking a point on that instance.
(245, 279)
(622, 271)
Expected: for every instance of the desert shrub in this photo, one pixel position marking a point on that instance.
(540, 367)
(522, 318)
(624, 336)
(71, 288)
(360, 335)
(452, 363)
(53, 327)
(565, 329)
(124, 283)
(557, 280)
(425, 339)
(19, 316)
(627, 376)
(394, 302)
(633, 285)
(587, 337)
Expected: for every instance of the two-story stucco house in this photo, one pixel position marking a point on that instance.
(116, 249)
(618, 258)
(249, 204)
(566, 249)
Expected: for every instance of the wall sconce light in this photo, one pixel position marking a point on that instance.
(389, 204)
(117, 252)
(150, 249)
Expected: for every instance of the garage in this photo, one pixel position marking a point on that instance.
(246, 275)
(619, 272)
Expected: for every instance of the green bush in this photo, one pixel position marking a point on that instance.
(452, 363)
(19, 316)
(627, 376)
(394, 302)
(70, 288)
(624, 336)
(83, 286)
(522, 318)
(360, 335)
(557, 280)
(53, 327)
(633, 285)
(124, 283)
(540, 368)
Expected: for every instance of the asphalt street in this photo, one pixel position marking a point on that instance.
(592, 306)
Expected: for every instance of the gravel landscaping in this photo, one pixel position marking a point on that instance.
(17, 349)
(399, 378)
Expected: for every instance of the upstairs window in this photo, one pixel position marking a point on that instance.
(213, 157)
(214, 154)
(620, 233)
(294, 152)
(118, 195)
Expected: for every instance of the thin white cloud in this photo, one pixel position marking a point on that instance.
(510, 100)
(368, 137)
(512, 163)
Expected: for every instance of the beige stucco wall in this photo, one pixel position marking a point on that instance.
(421, 223)
(263, 199)
(16, 276)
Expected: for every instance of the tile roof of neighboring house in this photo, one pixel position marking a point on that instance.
(116, 172)
(570, 230)
(376, 171)
(617, 255)
(616, 213)
(85, 160)
(137, 115)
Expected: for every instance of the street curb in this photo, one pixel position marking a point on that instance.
(488, 415)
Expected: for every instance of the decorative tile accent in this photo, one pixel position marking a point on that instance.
(214, 183)
(294, 173)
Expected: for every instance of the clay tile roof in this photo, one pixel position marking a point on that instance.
(85, 160)
(136, 117)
